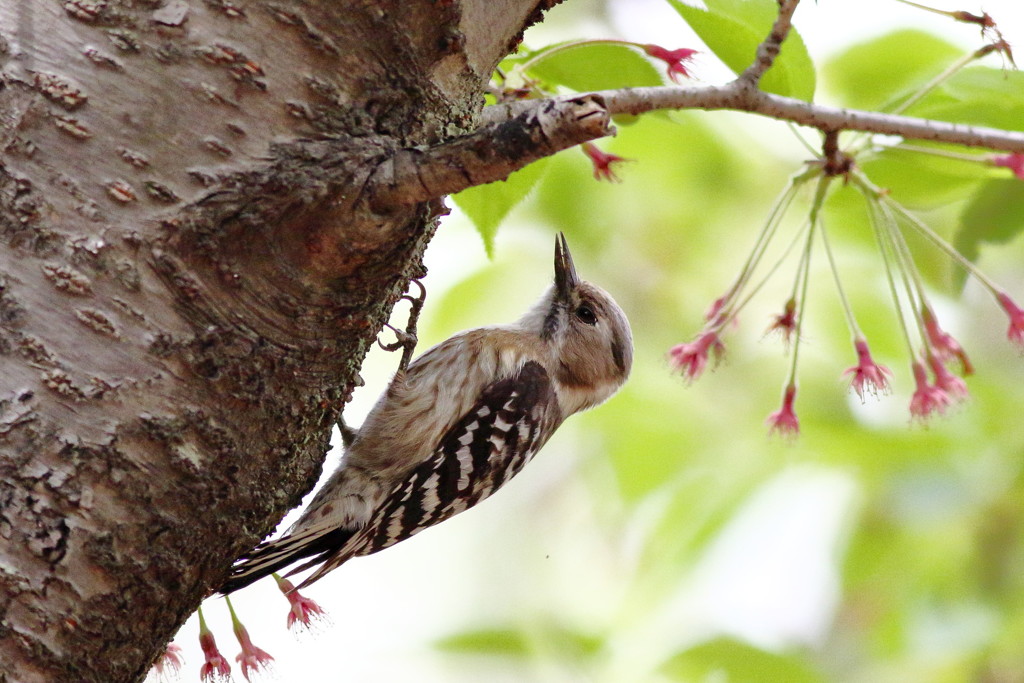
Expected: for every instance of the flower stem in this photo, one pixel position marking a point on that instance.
(235, 622)
(944, 76)
(851, 320)
(768, 231)
(203, 628)
(927, 233)
(801, 139)
(878, 218)
(943, 245)
(814, 220)
(944, 153)
(752, 291)
(910, 276)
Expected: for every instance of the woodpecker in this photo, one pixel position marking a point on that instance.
(459, 422)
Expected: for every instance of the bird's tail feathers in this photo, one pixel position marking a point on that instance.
(269, 556)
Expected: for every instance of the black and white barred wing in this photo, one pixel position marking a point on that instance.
(492, 442)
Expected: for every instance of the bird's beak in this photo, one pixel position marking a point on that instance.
(565, 271)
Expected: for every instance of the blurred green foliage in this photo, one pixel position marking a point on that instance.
(733, 29)
(928, 564)
(487, 205)
(594, 67)
(994, 215)
(852, 75)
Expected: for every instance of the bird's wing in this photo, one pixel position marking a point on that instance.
(507, 425)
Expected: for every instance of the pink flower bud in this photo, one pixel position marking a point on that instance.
(1016, 332)
(785, 322)
(602, 162)
(784, 420)
(927, 399)
(868, 376)
(214, 666)
(943, 344)
(692, 358)
(675, 59)
(1014, 162)
(303, 610)
(170, 659)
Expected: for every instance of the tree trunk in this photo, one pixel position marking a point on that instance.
(193, 267)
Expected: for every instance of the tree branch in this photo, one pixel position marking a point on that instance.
(488, 154)
(518, 133)
(769, 49)
(737, 96)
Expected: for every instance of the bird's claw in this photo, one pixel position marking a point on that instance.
(406, 339)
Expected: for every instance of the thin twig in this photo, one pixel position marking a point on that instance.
(769, 49)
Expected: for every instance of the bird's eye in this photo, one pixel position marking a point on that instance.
(586, 315)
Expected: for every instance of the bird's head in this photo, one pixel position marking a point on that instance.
(588, 335)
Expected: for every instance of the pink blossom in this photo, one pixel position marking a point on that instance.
(673, 58)
(868, 376)
(214, 666)
(1016, 332)
(927, 398)
(692, 358)
(170, 659)
(715, 308)
(784, 420)
(785, 322)
(251, 657)
(1014, 162)
(303, 610)
(602, 162)
(943, 344)
(947, 381)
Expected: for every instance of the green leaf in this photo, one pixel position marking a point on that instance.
(870, 74)
(994, 216)
(730, 660)
(596, 67)
(510, 642)
(487, 205)
(507, 642)
(733, 29)
(924, 180)
(980, 96)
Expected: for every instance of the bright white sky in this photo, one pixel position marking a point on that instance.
(386, 609)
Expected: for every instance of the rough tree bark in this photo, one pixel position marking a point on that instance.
(206, 214)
